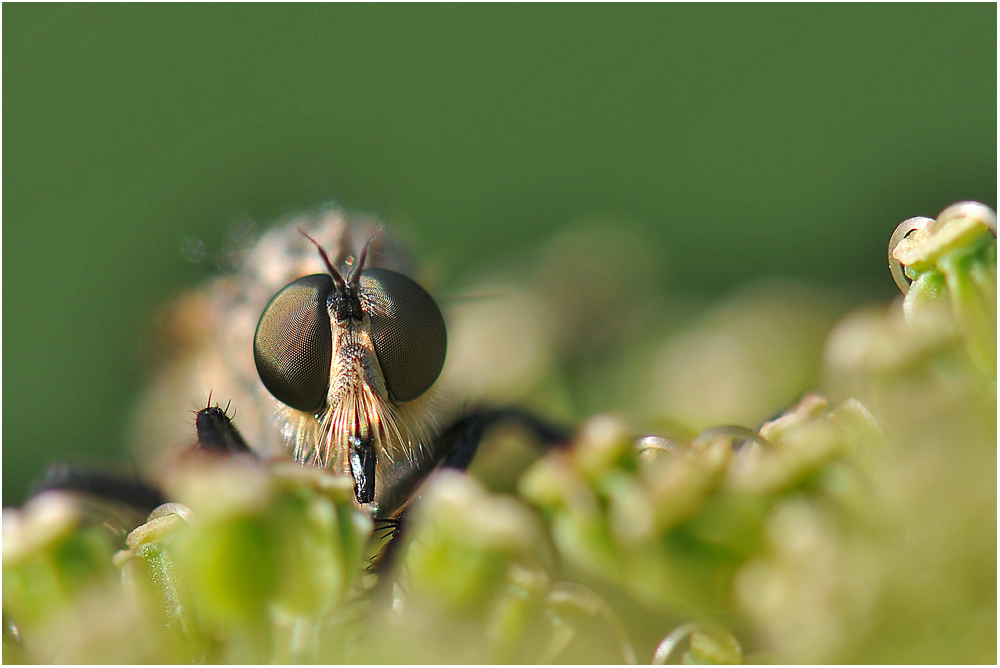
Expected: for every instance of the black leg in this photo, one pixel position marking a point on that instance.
(458, 443)
(134, 493)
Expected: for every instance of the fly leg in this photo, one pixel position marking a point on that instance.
(134, 493)
(458, 443)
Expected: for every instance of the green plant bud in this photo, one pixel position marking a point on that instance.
(103, 626)
(602, 445)
(51, 558)
(149, 572)
(515, 624)
(953, 258)
(577, 515)
(229, 557)
(255, 550)
(465, 540)
(321, 536)
(805, 439)
(637, 522)
(64, 602)
(473, 580)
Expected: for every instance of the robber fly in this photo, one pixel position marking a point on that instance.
(352, 357)
(330, 352)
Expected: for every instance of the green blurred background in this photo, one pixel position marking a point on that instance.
(746, 141)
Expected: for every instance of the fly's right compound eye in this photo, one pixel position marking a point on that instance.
(407, 331)
(292, 347)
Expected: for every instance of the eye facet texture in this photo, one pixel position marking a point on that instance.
(292, 346)
(407, 330)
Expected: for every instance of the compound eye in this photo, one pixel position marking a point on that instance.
(292, 345)
(407, 331)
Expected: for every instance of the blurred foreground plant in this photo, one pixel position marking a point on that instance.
(859, 526)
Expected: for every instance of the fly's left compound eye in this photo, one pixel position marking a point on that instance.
(292, 347)
(407, 330)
